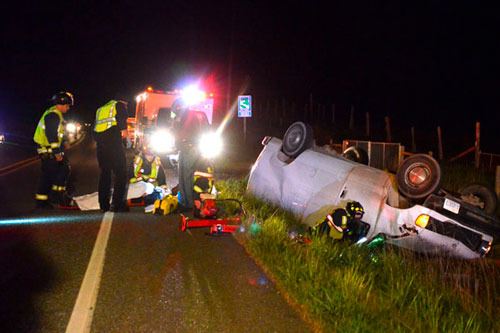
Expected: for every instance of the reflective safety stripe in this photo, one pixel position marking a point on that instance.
(203, 174)
(105, 120)
(41, 197)
(344, 222)
(197, 189)
(44, 150)
(58, 188)
(135, 179)
(105, 117)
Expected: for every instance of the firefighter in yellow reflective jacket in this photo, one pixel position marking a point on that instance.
(109, 130)
(147, 167)
(343, 224)
(203, 182)
(50, 138)
(203, 188)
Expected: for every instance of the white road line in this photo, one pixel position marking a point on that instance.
(81, 318)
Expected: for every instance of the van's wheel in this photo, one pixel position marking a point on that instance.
(298, 137)
(418, 176)
(356, 154)
(480, 196)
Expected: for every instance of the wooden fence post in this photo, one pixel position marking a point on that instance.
(440, 143)
(388, 129)
(477, 145)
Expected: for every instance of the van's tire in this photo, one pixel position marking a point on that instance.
(298, 137)
(418, 176)
(356, 154)
(483, 197)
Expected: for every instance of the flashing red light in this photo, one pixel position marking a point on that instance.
(211, 95)
(149, 88)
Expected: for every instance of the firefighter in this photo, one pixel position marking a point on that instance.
(203, 186)
(50, 138)
(203, 182)
(147, 167)
(189, 127)
(343, 224)
(109, 130)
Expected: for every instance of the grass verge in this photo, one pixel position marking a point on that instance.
(340, 288)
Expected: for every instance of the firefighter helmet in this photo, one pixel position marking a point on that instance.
(354, 208)
(63, 98)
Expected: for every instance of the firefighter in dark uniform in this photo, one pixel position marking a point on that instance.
(109, 130)
(343, 224)
(50, 138)
(189, 128)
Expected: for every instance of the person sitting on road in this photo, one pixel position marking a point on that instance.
(147, 167)
(343, 224)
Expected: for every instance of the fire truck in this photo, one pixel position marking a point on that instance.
(156, 112)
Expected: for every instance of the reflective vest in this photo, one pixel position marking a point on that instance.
(105, 117)
(203, 182)
(334, 225)
(41, 138)
(138, 171)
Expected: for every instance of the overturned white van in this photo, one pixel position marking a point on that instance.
(293, 174)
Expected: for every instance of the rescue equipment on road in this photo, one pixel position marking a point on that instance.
(166, 205)
(214, 214)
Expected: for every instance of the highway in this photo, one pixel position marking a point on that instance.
(75, 271)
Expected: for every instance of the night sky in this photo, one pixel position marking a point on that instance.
(423, 64)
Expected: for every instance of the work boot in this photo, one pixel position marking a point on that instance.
(65, 200)
(120, 209)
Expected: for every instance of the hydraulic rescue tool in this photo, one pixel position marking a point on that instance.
(216, 214)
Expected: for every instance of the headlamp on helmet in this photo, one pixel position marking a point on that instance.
(354, 208)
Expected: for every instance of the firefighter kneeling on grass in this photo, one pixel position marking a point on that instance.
(343, 224)
(147, 167)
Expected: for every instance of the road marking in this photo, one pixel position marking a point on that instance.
(81, 318)
(18, 165)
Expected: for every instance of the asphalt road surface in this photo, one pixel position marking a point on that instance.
(74, 271)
